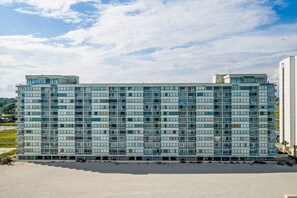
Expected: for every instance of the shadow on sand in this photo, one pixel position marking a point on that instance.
(172, 168)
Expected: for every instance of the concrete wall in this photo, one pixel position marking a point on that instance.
(287, 104)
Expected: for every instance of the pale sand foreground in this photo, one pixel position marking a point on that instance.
(146, 180)
(2, 128)
(4, 150)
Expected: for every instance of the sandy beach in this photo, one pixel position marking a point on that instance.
(94, 179)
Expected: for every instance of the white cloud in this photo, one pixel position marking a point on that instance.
(171, 24)
(151, 41)
(58, 9)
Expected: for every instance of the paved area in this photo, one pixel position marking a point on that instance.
(71, 179)
(4, 150)
(2, 128)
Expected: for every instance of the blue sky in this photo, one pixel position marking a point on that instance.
(143, 40)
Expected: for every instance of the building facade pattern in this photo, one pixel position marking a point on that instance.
(288, 100)
(230, 119)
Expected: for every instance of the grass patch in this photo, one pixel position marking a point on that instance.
(8, 138)
(8, 154)
(8, 124)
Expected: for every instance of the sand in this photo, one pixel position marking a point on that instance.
(2, 128)
(4, 150)
(92, 179)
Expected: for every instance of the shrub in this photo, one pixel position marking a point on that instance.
(290, 162)
(8, 124)
(8, 154)
(259, 162)
(5, 160)
(280, 162)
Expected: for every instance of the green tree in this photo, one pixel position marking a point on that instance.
(7, 106)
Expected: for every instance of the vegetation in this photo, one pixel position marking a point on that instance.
(285, 143)
(290, 162)
(6, 158)
(8, 154)
(8, 124)
(7, 106)
(9, 109)
(5, 101)
(8, 139)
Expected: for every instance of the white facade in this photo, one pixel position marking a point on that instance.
(288, 100)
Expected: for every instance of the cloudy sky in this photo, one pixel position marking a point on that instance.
(143, 40)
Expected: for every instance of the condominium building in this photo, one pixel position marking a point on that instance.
(288, 100)
(229, 119)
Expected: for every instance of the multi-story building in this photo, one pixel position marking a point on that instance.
(229, 119)
(288, 100)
